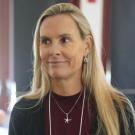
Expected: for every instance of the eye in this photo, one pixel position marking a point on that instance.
(45, 41)
(65, 40)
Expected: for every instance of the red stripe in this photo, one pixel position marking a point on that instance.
(76, 2)
(106, 31)
(92, 1)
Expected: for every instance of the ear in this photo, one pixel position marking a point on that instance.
(88, 45)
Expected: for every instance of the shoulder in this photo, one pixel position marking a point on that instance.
(122, 102)
(24, 106)
(129, 115)
(21, 114)
(26, 103)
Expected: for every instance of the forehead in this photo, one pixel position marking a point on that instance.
(58, 24)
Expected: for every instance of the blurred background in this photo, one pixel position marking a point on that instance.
(113, 26)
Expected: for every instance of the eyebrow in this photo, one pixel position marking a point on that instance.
(60, 35)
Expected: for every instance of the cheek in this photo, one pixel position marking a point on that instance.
(43, 57)
(76, 54)
(43, 54)
(77, 60)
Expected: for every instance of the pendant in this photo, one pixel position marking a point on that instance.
(67, 120)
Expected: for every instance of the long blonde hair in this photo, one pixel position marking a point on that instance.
(106, 97)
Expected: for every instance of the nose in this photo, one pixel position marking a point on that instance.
(54, 50)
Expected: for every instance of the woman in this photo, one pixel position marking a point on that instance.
(69, 94)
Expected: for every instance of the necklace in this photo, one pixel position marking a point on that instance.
(80, 129)
(67, 119)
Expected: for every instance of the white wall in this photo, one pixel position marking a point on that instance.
(94, 14)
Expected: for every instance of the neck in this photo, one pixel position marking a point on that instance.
(66, 87)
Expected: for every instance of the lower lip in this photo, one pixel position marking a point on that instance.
(56, 63)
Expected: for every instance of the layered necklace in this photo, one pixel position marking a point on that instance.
(67, 119)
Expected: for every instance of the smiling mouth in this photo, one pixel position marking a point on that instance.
(56, 62)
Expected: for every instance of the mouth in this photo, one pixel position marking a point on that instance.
(56, 62)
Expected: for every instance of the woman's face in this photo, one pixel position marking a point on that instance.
(61, 47)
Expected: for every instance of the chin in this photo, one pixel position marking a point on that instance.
(58, 76)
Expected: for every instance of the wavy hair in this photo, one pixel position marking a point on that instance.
(106, 98)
